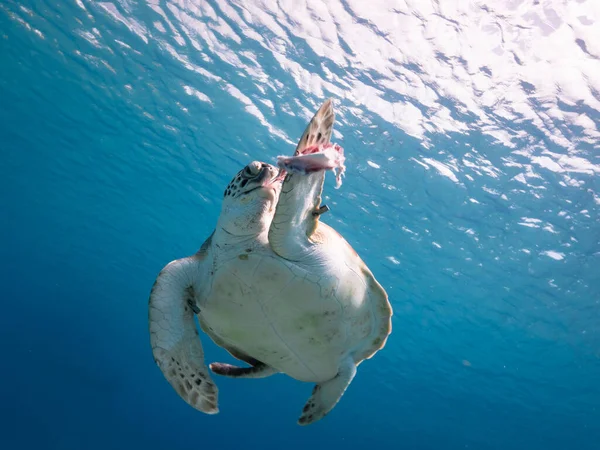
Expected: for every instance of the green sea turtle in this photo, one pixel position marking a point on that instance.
(273, 285)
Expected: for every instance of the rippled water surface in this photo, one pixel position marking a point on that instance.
(472, 135)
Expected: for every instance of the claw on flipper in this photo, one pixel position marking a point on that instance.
(322, 210)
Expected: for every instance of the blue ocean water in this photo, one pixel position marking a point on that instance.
(472, 141)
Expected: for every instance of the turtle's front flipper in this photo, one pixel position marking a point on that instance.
(326, 395)
(175, 343)
(319, 129)
(258, 370)
(297, 213)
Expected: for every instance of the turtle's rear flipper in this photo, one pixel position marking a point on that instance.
(258, 370)
(326, 395)
(175, 343)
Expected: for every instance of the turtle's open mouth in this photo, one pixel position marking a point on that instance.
(280, 176)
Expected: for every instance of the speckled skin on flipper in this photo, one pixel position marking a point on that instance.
(173, 336)
(274, 285)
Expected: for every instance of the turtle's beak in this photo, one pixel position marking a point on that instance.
(268, 177)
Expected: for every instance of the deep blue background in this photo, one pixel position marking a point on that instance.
(109, 169)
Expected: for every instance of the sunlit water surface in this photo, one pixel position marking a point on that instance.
(471, 132)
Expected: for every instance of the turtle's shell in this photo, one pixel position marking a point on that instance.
(301, 318)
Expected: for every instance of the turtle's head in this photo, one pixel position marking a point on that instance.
(250, 200)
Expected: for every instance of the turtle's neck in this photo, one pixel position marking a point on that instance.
(225, 240)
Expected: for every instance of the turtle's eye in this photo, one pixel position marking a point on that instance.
(252, 170)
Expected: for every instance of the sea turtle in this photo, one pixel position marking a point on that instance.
(273, 285)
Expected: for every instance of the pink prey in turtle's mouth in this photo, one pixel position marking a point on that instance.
(314, 159)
